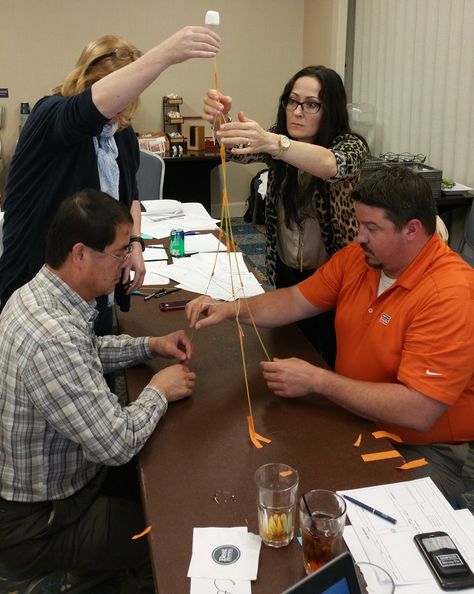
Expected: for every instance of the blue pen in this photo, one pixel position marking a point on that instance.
(192, 233)
(370, 509)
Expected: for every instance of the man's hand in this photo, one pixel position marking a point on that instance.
(216, 311)
(175, 382)
(172, 346)
(289, 377)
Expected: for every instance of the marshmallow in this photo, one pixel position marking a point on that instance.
(212, 17)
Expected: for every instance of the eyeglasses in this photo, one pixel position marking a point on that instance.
(121, 53)
(122, 259)
(311, 107)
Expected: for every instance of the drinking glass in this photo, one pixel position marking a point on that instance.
(322, 519)
(277, 486)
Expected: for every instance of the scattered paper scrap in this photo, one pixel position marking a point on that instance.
(144, 533)
(358, 441)
(392, 436)
(380, 456)
(413, 464)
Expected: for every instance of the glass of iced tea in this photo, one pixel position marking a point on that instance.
(277, 486)
(322, 518)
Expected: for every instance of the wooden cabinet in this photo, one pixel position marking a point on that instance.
(173, 121)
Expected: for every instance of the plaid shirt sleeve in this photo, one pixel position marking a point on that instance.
(65, 383)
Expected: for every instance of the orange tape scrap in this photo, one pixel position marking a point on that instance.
(144, 533)
(380, 456)
(255, 438)
(392, 436)
(358, 441)
(413, 464)
(284, 473)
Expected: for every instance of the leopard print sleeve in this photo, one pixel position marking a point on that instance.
(336, 210)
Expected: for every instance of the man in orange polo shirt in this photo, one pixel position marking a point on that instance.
(404, 327)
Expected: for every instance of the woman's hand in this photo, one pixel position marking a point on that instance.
(247, 136)
(190, 42)
(216, 108)
(135, 262)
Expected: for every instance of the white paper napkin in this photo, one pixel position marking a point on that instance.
(221, 585)
(230, 553)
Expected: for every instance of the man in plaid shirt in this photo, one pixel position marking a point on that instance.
(60, 425)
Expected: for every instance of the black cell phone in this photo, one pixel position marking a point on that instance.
(445, 561)
(173, 305)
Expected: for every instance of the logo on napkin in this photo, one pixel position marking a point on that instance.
(226, 554)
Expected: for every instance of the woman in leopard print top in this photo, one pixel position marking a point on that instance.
(314, 161)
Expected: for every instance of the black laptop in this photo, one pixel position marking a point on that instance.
(336, 577)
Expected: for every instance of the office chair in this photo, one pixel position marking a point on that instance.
(150, 176)
(466, 247)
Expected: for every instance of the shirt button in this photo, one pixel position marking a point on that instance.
(371, 310)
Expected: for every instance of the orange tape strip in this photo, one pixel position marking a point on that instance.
(144, 533)
(413, 464)
(380, 456)
(358, 441)
(255, 438)
(284, 473)
(392, 436)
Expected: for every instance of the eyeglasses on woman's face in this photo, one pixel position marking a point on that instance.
(127, 251)
(309, 107)
(121, 53)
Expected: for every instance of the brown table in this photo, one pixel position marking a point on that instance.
(201, 446)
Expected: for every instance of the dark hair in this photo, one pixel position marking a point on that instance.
(403, 195)
(89, 217)
(334, 121)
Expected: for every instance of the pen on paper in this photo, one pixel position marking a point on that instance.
(370, 509)
(155, 247)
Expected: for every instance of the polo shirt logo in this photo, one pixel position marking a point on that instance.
(385, 318)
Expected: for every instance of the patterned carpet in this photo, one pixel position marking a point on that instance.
(251, 240)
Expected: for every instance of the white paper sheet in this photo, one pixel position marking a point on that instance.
(204, 242)
(219, 277)
(212, 586)
(156, 273)
(192, 217)
(156, 252)
(418, 506)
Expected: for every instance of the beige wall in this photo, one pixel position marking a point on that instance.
(262, 47)
(325, 33)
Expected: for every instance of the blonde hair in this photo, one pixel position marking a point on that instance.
(98, 59)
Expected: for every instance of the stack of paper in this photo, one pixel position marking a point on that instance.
(224, 560)
(161, 216)
(418, 507)
(222, 276)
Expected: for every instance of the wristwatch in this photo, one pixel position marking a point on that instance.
(139, 240)
(284, 143)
